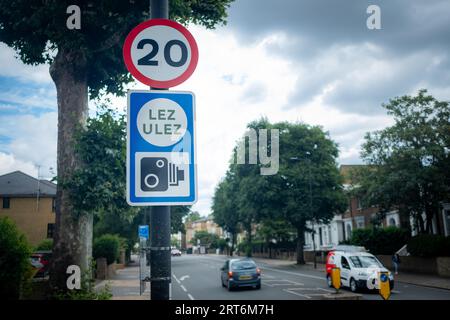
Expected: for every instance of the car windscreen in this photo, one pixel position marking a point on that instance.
(364, 262)
(243, 265)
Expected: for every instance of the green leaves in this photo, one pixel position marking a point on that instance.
(410, 159)
(307, 187)
(35, 29)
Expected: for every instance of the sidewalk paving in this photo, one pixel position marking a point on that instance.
(425, 280)
(125, 284)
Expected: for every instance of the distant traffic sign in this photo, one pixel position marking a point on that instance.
(143, 232)
(160, 53)
(161, 166)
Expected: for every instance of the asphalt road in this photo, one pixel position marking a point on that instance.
(197, 277)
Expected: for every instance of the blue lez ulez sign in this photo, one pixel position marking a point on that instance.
(161, 158)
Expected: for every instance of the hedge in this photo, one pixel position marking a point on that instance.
(15, 266)
(107, 246)
(429, 245)
(380, 240)
(45, 245)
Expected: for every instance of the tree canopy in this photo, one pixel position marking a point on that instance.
(410, 160)
(37, 29)
(307, 187)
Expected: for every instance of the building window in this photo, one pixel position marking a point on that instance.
(359, 222)
(359, 203)
(50, 230)
(349, 231)
(53, 204)
(392, 222)
(6, 202)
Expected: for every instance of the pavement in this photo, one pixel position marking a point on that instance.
(125, 283)
(197, 277)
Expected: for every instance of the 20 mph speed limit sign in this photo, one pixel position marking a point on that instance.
(160, 53)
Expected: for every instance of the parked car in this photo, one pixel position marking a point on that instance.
(240, 273)
(175, 252)
(41, 260)
(359, 269)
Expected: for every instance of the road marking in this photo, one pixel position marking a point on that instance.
(175, 277)
(184, 277)
(309, 295)
(182, 287)
(297, 274)
(190, 296)
(282, 282)
(283, 271)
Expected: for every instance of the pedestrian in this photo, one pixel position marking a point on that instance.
(395, 262)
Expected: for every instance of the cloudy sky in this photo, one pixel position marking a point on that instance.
(313, 61)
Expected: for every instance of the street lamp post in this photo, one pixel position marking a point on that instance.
(310, 206)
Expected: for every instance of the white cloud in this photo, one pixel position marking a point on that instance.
(9, 163)
(234, 84)
(33, 141)
(13, 67)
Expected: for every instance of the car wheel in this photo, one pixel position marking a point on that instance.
(229, 287)
(329, 282)
(221, 281)
(258, 286)
(353, 286)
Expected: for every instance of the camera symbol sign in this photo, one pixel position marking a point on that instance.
(161, 166)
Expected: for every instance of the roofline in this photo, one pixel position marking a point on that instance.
(31, 195)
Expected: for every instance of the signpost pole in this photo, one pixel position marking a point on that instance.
(160, 267)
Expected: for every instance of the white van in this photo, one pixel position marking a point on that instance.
(359, 270)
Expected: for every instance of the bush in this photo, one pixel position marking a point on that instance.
(107, 246)
(87, 290)
(45, 245)
(429, 245)
(380, 240)
(15, 266)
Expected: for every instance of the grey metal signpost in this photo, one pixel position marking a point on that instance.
(160, 267)
(158, 178)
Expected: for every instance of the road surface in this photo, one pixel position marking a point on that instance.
(197, 277)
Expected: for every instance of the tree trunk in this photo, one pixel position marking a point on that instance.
(420, 223)
(73, 234)
(249, 242)
(233, 243)
(300, 244)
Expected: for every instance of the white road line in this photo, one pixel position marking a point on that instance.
(297, 274)
(283, 271)
(184, 277)
(182, 287)
(190, 296)
(175, 277)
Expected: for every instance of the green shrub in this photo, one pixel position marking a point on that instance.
(107, 246)
(45, 245)
(87, 290)
(429, 245)
(15, 266)
(380, 240)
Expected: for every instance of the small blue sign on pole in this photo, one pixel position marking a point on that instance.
(161, 157)
(143, 232)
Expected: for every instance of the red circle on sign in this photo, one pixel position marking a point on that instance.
(152, 82)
